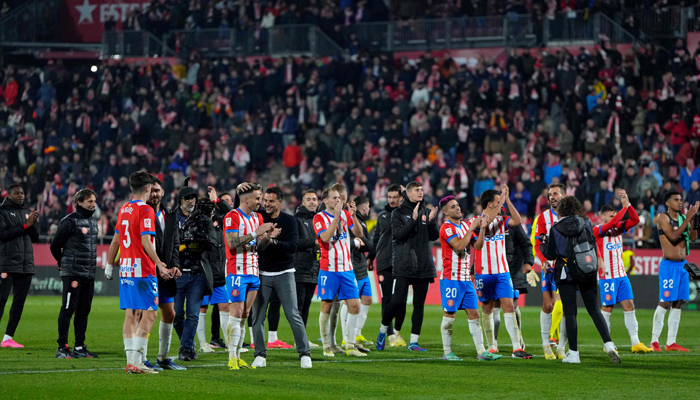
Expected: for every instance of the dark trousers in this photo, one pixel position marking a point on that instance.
(77, 299)
(215, 323)
(19, 285)
(191, 287)
(305, 293)
(399, 296)
(589, 294)
(386, 283)
(273, 312)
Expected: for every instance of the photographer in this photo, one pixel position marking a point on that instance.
(75, 249)
(573, 247)
(196, 281)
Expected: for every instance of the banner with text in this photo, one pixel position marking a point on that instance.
(82, 21)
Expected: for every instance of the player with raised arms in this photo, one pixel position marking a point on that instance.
(134, 239)
(557, 191)
(245, 234)
(337, 278)
(675, 233)
(614, 284)
(492, 278)
(456, 288)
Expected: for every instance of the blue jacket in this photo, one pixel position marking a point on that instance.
(592, 101)
(686, 179)
(522, 203)
(481, 185)
(550, 172)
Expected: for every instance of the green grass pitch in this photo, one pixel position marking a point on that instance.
(33, 372)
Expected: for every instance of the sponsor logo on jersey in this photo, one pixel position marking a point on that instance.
(340, 236)
(74, 284)
(128, 210)
(127, 282)
(613, 246)
(494, 238)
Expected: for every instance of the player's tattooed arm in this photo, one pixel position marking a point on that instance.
(263, 242)
(234, 241)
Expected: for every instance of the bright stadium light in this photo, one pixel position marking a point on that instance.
(93, 68)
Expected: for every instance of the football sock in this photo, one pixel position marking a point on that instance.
(606, 316)
(223, 321)
(344, 322)
(271, 336)
(250, 330)
(233, 332)
(6, 337)
(632, 326)
(674, 320)
(519, 322)
(335, 312)
(165, 332)
(128, 349)
(385, 329)
(658, 325)
(488, 329)
(414, 338)
(240, 341)
(352, 328)
(545, 325)
(512, 329)
(477, 335)
(323, 323)
(364, 311)
(139, 344)
(446, 331)
(200, 329)
(557, 315)
(563, 337)
(496, 324)
(144, 356)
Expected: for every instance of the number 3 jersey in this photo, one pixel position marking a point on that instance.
(136, 219)
(242, 260)
(455, 265)
(335, 255)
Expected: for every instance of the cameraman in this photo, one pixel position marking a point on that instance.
(196, 228)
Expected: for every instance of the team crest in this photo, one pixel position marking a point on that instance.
(235, 292)
(544, 283)
(323, 291)
(156, 300)
(84, 230)
(74, 284)
(450, 302)
(589, 258)
(3, 275)
(381, 278)
(480, 293)
(667, 294)
(608, 297)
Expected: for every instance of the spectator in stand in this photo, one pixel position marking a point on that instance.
(520, 198)
(292, 159)
(689, 174)
(678, 131)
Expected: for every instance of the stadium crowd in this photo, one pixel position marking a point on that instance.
(594, 120)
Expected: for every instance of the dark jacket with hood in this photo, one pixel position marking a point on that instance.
(168, 248)
(559, 241)
(74, 246)
(16, 253)
(518, 253)
(217, 255)
(413, 257)
(306, 261)
(195, 258)
(359, 260)
(382, 240)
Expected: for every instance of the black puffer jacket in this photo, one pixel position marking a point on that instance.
(359, 260)
(306, 261)
(382, 241)
(170, 251)
(16, 253)
(75, 244)
(518, 253)
(413, 257)
(217, 255)
(562, 236)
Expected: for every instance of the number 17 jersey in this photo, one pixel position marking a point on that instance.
(136, 219)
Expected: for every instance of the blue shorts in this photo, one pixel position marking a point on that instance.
(457, 295)
(674, 281)
(364, 286)
(615, 290)
(219, 296)
(138, 293)
(516, 294)
(548, 283)
(238, 286)
(494, 286)
(342, 285)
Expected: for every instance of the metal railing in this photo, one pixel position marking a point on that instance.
(662, 23)
(580, 26)
(133, 44)
(32, 21)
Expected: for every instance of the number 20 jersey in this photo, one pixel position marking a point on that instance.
(136, 219)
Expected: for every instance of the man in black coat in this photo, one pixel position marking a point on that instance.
(74, 246)
(17, 233)
(306, 264)
(384, 251)
(413, 227)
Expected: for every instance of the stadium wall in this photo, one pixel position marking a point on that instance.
(644, 279)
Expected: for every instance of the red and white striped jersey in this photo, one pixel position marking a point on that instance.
(242, 261)
(544, 224)
(335, 255)
(491, 259)
(610, 249)
(135, 219)
(455, 265)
